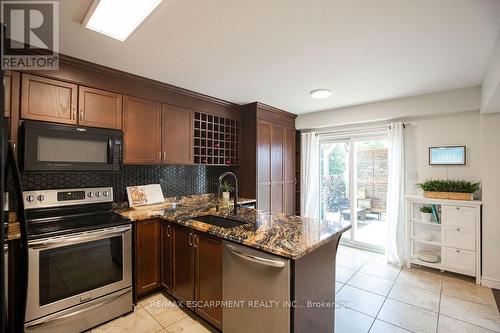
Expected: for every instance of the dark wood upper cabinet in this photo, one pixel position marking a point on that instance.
(147, 252)
(166, 255)
(289, 170)
(208, 272)
(7, 85)
(142, 131)
(48, 100)
(99, 108)
(268, 157)
(177, 135)
(183, 265)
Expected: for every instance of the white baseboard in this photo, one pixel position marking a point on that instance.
(490, 283)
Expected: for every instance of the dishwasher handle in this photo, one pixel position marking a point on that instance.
(255, 259)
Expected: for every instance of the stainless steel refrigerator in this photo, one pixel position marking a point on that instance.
(13, 290)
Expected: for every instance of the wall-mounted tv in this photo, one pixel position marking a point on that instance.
(447, 155)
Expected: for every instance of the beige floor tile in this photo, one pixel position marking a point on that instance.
(387, 272)
(428, 280)
(371, 283)
(451, 325)
(187, 325)
(338, 286)
(350, 262)
(408, 316)
(347, 250)
(343, 274)
(149, 299)
(165, 312)
(415, 296)
(378, 258)
(473, 313)
(139, 321)
(360, 300)
(383, 327)
(350, 321)
(467, 290)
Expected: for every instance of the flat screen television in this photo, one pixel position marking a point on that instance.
(447, 155)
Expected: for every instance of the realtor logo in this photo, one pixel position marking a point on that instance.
(30, 37)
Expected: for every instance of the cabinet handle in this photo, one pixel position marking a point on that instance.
(195, 241)
(168, 231)
(73, 111)
(81, 115)
(164, 156)
(189, 239)
(159, 155)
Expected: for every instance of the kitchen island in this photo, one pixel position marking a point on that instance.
(306, 246)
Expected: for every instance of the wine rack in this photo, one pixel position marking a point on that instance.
(216, 140)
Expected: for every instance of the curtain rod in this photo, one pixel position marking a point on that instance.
(353, 129)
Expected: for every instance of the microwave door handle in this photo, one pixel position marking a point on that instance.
(111, 151)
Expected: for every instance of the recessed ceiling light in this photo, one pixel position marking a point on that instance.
(118, 18)
(321, 93)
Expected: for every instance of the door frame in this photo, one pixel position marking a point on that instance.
(352, 139)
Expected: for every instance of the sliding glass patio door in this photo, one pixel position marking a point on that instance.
(353, 185)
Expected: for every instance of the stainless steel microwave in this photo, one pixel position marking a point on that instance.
(55, 147)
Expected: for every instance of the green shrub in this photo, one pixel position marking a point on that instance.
(441, 185)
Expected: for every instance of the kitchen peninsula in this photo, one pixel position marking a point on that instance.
(188, 259)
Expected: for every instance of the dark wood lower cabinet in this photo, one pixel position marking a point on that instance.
(183, 265)
(147, 255)
(208, 278)
(167, 233)
(184, 262)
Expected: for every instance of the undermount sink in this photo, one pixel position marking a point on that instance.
(218, 221)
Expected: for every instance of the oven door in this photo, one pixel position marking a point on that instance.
(73, 269)
(54, 147)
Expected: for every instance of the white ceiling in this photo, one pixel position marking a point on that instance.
(276, 51)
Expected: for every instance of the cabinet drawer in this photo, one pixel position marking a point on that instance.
(459, 216)
(461, 238)
(460, 261)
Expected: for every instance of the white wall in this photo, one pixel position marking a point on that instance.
(458, 129)
(490, 88)
(490, 144)
(468, 99)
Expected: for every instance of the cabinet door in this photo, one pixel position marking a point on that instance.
(208, 277)
(177, 135)
(166, 255)
(277, 177)
(183, 270)
(142, 129)
(99, 108)
(7, 82)
(289, 169)
(263, 166)
(48, 100)
(147, 256)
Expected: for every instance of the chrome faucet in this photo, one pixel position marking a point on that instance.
(228, 173)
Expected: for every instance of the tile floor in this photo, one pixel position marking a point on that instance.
(376, 297)
(373, 297)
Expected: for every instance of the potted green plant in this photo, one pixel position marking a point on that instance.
(227, 188)
(426, 213)
(449, 189)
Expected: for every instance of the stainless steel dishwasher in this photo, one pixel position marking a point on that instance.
(256, 291)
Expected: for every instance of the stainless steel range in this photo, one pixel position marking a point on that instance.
(80, 260)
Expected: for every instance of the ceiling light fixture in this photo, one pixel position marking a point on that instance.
(321, 93)
(118, 18)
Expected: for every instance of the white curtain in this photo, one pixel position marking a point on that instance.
(309, 175)
(396, 240)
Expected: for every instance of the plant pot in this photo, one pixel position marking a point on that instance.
(225, 195)
(449, 195)
(426, 217)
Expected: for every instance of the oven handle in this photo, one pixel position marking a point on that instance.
(72, 314)
(55, 242)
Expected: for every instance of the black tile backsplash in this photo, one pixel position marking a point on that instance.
(175, 180)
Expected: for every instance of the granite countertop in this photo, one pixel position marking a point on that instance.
(287, 236)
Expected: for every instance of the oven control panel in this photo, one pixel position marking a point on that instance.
(66, 197)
